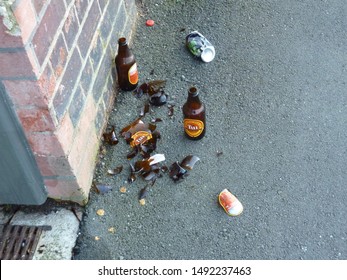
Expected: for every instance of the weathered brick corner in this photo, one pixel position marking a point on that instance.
(56, 58)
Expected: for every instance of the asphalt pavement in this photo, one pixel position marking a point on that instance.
(276, 100)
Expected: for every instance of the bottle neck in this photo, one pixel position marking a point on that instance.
(123, 49)
(193, 91)
(193, 94)
(122, 42)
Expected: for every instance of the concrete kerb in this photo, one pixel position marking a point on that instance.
(54, 244)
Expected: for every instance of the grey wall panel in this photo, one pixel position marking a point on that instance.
(20, 179)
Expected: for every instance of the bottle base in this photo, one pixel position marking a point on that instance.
(194, 138)
(127, 88)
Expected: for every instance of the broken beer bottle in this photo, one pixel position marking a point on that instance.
(126, 66)
(194, 120)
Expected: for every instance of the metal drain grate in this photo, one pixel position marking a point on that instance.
(19, 242)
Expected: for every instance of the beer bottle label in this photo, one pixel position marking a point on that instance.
(140, 137)
(193, 127)
(133, 74)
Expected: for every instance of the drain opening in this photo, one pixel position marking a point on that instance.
(19, 242)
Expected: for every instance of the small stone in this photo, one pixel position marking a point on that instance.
(142, 201)
(97, 238)
(100, 212)
(112, 230)
(123, 189)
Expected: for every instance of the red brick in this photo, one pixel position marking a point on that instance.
(26, 18)
(76, 106)
(68, 2)
(45, 144)
(86, 169)
(35, 119)
(108, 21)
(25, 93)
(129, 4)
(53, 166)
(87, 75)
(32, 93)
(65, 189)
(59, 56)
(62, 98)
(101, 77)
(70, 28)
(47, 29)
(84, 132)
(120, 20)
(33, 60)
(17, 64)
(47, 83)
(39, 4)
(89, 29)
(102, 5)
(7, 40)
(81, 7)
(65, 133)
(109, 94)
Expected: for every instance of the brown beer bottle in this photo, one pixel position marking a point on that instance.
(126, 66)
(194, 120)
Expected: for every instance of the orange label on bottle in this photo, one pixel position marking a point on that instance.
(140, 137)
(193, 127)
(133, 74)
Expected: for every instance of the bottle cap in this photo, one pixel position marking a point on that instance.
(230, 203)
(150, 22)
(208, 54)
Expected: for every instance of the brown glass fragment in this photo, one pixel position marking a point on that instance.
(153, 174)
(154, 90)
(148, 168)
(143, 165)
(219, 153)
(131, 178)
(158, 99)
(143, 192)
(110, 137)
(132, 175)
(156, 120)
(102, 189)
(164, 168)
(177, 172)
(150, 176)
(143, 137)
(144, 110)
(115, 171)
(189, 161)
(126, 128)
(139, 91)
(155, 86)
(137, 132)
(171, 110)
(133, 153)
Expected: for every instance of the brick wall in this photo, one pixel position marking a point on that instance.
(57, 71)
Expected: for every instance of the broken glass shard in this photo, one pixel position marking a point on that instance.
(189, 161)
(137, 132)
(143, 193)
(115, 171)
(156, 120)
(144, 110)
(102, 189)
(177, 172)
(110, 137)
